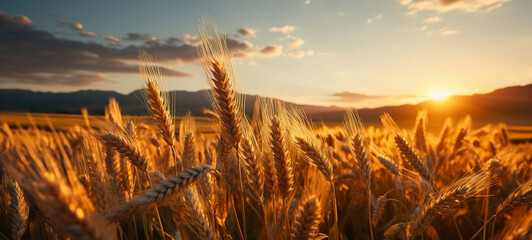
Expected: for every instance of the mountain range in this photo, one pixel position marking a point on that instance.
(512, 105)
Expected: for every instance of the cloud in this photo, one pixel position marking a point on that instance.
(421, 29)
(87, 34)
(447, 31)
(369, 20)
(138, 37)
(75, 80)
(247, 32)
(310, 52)
(6, 20)
(286, 29)
(33, 56)
(296, 43)
(449, 5)
(297, 54)
(307, 2)
(74, 25)
(110, 38)
(351, 97)
(379, 16)
(433, 19)
(271, 51)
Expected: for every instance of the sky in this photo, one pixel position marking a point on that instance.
(363, 53)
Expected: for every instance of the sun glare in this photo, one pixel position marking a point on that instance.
(440, 95)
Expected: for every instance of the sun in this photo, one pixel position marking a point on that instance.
(440, 95)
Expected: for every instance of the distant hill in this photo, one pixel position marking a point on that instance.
(131, 104)
(512, 105)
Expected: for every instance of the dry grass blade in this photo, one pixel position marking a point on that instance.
(307, 219)
(159, 193)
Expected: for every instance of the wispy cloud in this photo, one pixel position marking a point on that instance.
(447, 31)
(271, 51)
(110, 38)
(414, 7)
(351, 97)
(433, 19)
(297, 54)
(376, 18)
(247, 32)
(73, 25)
(138, 37)
(286, 29)
(295, 43)
(87, 34)
(18, 20)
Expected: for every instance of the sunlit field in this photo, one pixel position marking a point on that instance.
(274, 174)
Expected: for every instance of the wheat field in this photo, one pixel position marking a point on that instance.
(272, 175)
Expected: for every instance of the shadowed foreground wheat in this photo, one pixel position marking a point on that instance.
(273, 175)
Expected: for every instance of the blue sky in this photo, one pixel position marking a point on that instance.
(349, 53)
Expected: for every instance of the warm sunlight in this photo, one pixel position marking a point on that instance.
(440, 95)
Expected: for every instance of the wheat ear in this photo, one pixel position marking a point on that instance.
(226, 104)
(281, 159)
(378, 210)
(127, 148)
(410, 155)
(252, 168)
(448, 200)
(18, 212)
(65, 209)
(195, 209)
(316, 158)
(521, 196)
(307, 219)
(388, 164)
(159, 193)
(157, 102)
